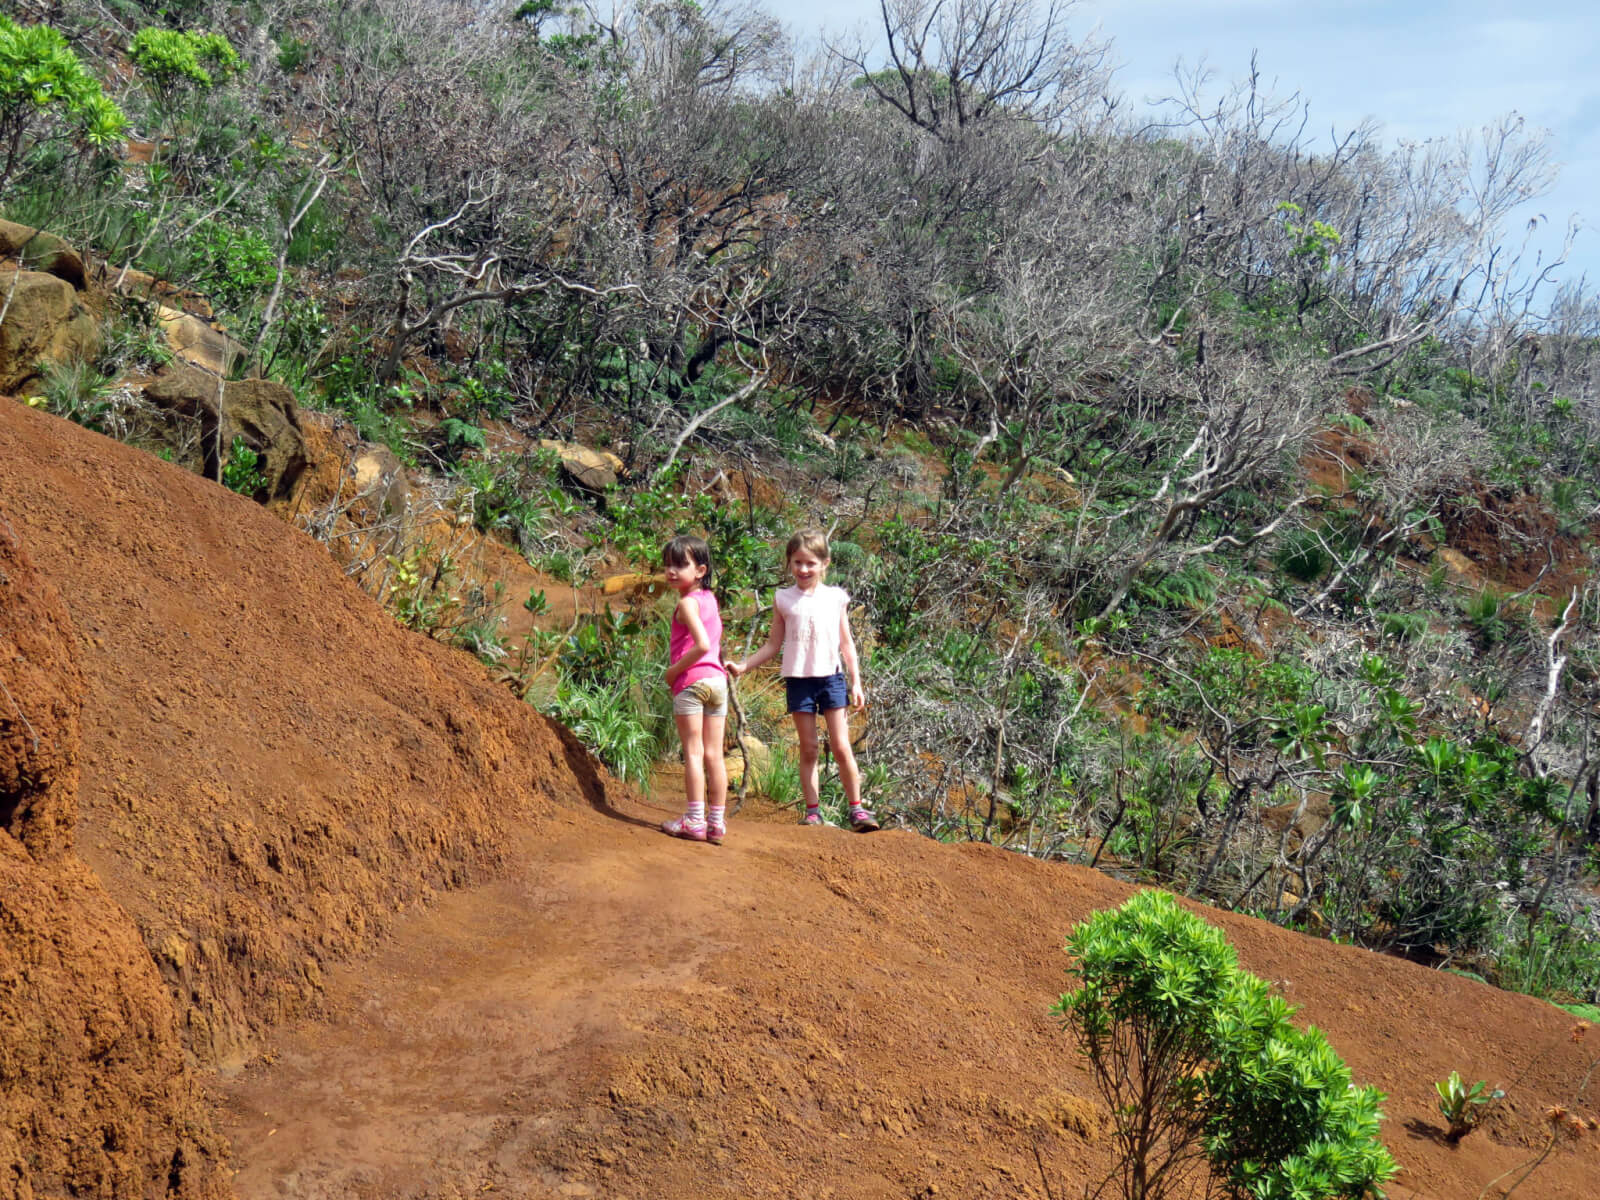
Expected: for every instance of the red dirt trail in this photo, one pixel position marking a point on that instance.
(419, 947)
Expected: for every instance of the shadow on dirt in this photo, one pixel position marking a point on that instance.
(582, 764)
(1427, 1132)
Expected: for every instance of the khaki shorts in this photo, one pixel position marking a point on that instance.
(708, 696)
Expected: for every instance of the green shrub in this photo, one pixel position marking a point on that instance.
(1189, 587)
(241, 473)
(1302, 556)
(1487, 614)
(42, 83)
(1551, 958)
(606, 721)
(76, 391)
(1203, 1071)
(172, 59)
(610, 692)
(230, 265)
(1402, 627)
(779, 779)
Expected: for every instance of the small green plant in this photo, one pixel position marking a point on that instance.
(293, 53)
(607, 721)
(1201, 1068)
(1486, 613)
(132, 341)
(1402, 627)
(1550, 957)
(1462, 1106)
(779, 779)
(1302, 556)
(76, 391)
(454, 437)
(242, 472)
(565, 566)
(419, 593)
(229, 264)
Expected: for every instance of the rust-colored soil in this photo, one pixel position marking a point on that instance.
(420, 949)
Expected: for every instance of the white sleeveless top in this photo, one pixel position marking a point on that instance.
(811, 630)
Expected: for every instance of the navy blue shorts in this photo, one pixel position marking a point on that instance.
(817, 693)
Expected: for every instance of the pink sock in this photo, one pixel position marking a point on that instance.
(696, 812)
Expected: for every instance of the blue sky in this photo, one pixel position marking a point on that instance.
(1422, 69)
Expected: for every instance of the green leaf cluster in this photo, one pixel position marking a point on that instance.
(1462, 1104)
(1198, 1059)
(170, 58)
(242, 472)
(40, 75)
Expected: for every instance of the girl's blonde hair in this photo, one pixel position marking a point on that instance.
(812, 541)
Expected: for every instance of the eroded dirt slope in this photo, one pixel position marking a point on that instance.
(274, 769)
(95, 1096)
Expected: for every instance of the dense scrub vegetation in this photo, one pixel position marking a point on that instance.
(1221, 507)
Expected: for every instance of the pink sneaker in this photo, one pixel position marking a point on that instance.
(683, 827)
(715, 831)
(863, 821)
(813, 817)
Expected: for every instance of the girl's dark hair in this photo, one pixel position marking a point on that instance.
(685, 549)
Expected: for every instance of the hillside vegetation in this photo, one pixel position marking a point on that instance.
(1219, 506)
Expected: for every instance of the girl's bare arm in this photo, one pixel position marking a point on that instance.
(769, 648)
(852, 666)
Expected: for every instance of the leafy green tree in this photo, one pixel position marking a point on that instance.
(46, 94)
(1203, 1072)
(176, 61)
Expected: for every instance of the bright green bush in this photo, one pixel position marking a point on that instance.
(1203, 1071)
(171, 59)
(42, 80)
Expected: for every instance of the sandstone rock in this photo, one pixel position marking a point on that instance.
(380, 477)
(198, 343)
(42, 252)
(144, 286)
(1459, 567)
(632, 584)
(260, 411)
(756, 755)
(594, 470)
(44, 323)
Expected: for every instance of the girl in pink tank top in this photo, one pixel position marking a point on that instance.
(699, 691)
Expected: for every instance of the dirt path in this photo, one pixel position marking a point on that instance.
(615, 1017)
(459, 1056)
(797, 1013)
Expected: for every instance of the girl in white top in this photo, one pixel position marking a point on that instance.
(811, 627)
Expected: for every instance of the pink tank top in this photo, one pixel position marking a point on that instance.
(710, 662)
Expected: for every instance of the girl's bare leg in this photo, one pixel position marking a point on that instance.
(838, 720)
(805, 728)
(691, 732)
(716, 767)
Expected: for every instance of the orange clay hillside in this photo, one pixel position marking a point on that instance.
(340, 918)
